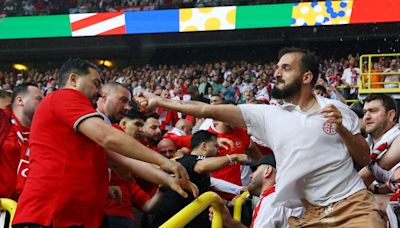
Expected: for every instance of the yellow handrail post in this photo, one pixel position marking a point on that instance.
(189, 212)
(10, 206)
(237, 206)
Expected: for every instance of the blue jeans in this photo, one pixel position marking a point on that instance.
(120, 222)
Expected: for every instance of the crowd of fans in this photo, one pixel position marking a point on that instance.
(47, 7)
(215, 154)
(240, 81)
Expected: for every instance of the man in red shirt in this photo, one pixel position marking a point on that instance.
(14, 151)
(120, 214)
(181, 134)
(68, 176)
(241, 145)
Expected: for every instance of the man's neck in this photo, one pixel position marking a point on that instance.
(306, 100)
(23, 119)
(197, 152)
(267, 186)
(376, 136)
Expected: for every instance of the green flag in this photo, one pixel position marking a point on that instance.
(35, 27)
(263, 16)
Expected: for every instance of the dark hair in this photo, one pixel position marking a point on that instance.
(135, 114)
(308, 62)
(387, 101)
(20, 89)
(4, 93)
(74, 65)
(321, 88)
(153, 115)
(200, 137)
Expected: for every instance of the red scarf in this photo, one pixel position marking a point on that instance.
(263, 195)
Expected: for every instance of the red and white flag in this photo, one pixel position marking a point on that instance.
(97, 24)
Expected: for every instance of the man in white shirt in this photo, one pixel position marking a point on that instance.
(315, 142)
(262, 184)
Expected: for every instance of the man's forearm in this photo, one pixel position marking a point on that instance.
(209, 165)
(226, 113)
(126, 146)
(144, 170)
(356, 145)
(193, 108)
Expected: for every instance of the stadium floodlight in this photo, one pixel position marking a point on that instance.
(106, 63)
(19, 66)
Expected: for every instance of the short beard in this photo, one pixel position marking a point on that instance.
(288, 90)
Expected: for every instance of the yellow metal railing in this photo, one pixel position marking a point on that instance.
(189, 212)
(10, 206)
(366, 85)
(237, 206)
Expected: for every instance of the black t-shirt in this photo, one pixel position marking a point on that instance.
(173, 202)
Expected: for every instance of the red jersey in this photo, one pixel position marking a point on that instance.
(148, 187)
(14, 145)
(68, 176)
(124, 209)
(231, 173)
(132, 194)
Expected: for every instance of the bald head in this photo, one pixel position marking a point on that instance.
(185, 126)
(167, 148)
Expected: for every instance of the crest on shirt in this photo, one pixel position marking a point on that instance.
(328, 128)
(238, 143)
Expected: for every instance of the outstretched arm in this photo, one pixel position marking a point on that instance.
(227, 113)
(212, 164)
(117, 141)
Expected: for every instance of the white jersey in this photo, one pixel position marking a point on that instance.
(313, 162)
(265, 215)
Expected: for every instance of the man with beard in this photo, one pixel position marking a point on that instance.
(315, 140)
(114, 102)
(152, 132)
(263, 184)
(68, 175)
(14, 145)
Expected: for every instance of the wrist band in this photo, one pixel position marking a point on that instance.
(230, 159)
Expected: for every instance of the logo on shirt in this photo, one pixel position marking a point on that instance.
(329, 129)
(238, 143)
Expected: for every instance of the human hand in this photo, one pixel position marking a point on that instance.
(225, 214)
(178, 186)
(115, 193)
(222, 143)
(177, 169)
(333, 116)
(145, 101)
(239, 158)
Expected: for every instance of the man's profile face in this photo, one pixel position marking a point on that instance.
(90, 84)
(289, 76)
(117, 103)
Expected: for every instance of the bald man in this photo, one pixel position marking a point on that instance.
(167, 148)
(181, 134)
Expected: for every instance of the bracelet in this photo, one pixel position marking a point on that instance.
(230, 159)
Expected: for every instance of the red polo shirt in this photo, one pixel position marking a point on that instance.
(68, 177)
